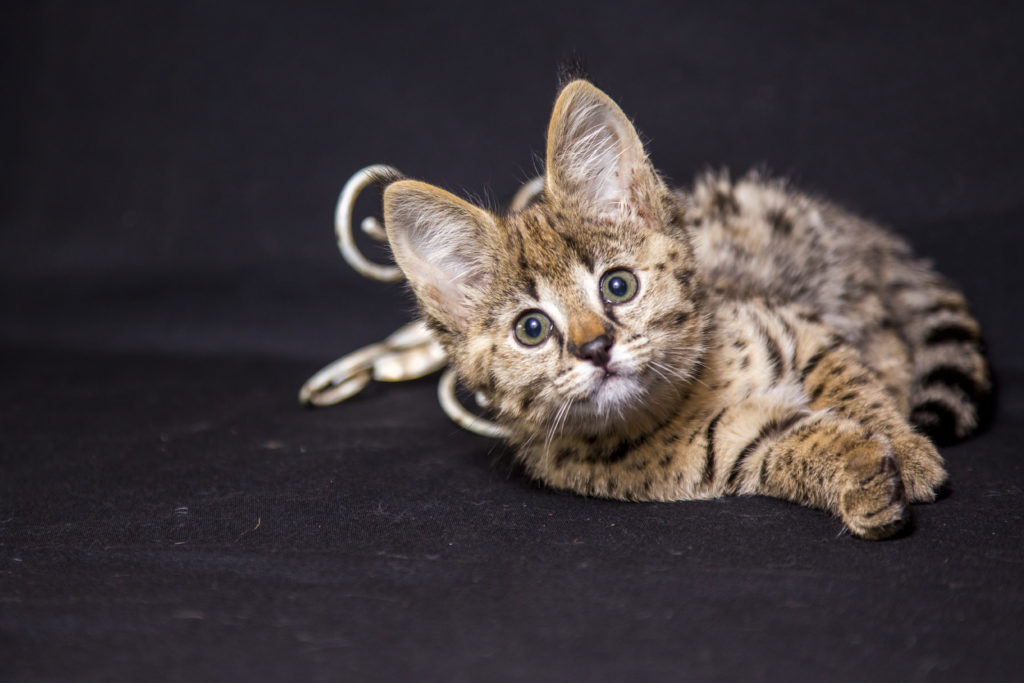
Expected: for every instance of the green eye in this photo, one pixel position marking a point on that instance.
(618, 286)
(532, 328)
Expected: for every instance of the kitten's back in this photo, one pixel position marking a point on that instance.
(759, 238)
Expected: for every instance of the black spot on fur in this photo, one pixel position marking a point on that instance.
(943, 307)
(724, 202)
(579, 251)
(619, 453)
(779, 221)
(814, 360)
(950, 333)
(609, 313)
(936, 420)
(624, 448)
(708, 475)
(770, 428)
(671, 319)
(809, 316)
(950, 376)
(529, 285)
(774, 353)
(684, 276)
(762, 475)
(437, 326)
(563, 456)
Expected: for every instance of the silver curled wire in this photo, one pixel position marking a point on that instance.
(408, 353)
(370, 225)
(462, 417)
(526, 194)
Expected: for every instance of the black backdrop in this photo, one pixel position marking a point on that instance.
(168, 279)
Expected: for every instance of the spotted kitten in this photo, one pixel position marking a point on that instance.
(645, 343)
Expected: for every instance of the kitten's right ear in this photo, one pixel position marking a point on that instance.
(442, 244)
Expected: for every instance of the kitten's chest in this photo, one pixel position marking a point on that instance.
(749, 377)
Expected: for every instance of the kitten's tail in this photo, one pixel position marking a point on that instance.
(951, 389)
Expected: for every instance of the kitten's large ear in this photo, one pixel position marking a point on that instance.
(594, 152)
(442, 244)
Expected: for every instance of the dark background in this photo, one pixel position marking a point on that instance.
(168, 279)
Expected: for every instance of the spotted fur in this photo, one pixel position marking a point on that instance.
(775, 344)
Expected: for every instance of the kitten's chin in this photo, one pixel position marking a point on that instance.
(617, 402)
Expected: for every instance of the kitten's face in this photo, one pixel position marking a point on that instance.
(578, 313)
(587, 324)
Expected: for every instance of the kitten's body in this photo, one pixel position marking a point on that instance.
(647, 344)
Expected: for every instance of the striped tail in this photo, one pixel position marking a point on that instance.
(951, 388)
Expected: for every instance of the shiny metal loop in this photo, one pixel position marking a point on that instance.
(462, 417)
(371, 226)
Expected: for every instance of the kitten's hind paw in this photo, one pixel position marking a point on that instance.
(874, 503)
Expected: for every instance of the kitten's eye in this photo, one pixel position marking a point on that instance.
(618, 286)
(532, 328)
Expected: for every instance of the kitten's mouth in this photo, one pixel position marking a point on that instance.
(609, 375)
(613, 387)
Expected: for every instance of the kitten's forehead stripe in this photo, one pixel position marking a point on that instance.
(529, 285)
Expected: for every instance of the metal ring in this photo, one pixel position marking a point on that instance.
(526, 194)
(343, 225)
(462, 417)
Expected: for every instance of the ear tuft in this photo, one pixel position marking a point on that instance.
(443, 245)
(571, 68)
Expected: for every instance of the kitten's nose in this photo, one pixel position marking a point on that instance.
(597, 351)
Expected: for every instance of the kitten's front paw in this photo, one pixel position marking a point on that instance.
(873, 504)
(921, 466)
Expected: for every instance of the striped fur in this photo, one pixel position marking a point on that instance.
(772, 344)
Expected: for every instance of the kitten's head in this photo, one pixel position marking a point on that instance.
(581, 312)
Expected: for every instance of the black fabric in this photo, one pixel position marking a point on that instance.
(169, 279)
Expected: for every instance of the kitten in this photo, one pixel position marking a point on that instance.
(645, 343)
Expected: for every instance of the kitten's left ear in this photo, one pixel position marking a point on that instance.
(594, 152)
